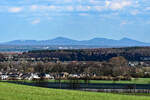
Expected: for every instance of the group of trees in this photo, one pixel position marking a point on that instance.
(116, 66)
(102, 54)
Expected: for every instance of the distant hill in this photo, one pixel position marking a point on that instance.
(101, 42)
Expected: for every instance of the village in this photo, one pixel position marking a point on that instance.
(40, 76)
(16, 75)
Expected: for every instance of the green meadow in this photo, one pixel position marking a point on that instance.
(10, 91)
(133, 81)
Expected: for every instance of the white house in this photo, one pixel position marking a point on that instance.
(30, 76)
(4, 77)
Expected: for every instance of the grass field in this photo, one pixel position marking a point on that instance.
(133, 81)
(20, 92)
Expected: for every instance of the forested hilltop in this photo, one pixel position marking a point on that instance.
(101, 54)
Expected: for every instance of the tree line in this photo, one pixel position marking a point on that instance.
(102, 54)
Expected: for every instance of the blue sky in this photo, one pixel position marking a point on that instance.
(75, 19)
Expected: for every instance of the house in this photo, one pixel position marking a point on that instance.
(14, 76)
(30, 76)
(46, 76)
(4, 77)
(74, 76)
(133, 64)
(64, 75)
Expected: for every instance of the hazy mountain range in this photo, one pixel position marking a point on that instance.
(93, 42)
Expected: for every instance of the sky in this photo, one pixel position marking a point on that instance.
(75, 19)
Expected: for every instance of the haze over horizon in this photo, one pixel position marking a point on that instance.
(74, 19)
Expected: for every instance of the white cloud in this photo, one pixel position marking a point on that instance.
(50, 8)
(15, 9)
(107, 3)
(117, 5)
(36, 21)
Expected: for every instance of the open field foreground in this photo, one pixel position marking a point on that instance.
(20, 92)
